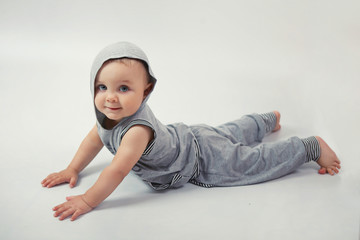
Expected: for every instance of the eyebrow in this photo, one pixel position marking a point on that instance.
(121, 81)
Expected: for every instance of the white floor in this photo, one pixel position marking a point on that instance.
(215, 61)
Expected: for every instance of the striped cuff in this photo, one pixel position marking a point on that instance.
(312, 148)
(270, 121)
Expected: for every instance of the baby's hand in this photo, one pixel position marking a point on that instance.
(74, 206)
(67, 175)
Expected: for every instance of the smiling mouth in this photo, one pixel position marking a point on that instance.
(113, 109)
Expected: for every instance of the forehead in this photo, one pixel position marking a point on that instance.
(121, 69)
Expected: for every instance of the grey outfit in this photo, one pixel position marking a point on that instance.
(227, 155)
(231, 154)
(169, 160)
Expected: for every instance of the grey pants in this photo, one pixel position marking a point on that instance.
(232, 154)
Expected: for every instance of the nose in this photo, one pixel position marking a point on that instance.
(112, 98)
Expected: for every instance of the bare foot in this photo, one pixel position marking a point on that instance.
(277, 126)
(328, 160)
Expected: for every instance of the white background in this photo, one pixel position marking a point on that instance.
(215, 61)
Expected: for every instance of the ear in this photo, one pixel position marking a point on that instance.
(148, 89)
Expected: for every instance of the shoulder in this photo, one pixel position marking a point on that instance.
(138, 135)
(134, 143)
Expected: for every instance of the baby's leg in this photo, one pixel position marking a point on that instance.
(328, 160)
(227, 164)
(250, 128)
(272, 121)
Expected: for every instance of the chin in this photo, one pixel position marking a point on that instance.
(113, 118)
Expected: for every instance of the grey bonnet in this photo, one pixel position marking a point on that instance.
(116, 51)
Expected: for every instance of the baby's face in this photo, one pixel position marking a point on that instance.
(120, 89)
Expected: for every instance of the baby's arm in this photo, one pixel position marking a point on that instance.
(87, 151)
(132, 147)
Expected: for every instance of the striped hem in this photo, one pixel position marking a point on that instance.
(176, 178)
(312, 148)
(200, 184)
(196, 173)
(270, 121)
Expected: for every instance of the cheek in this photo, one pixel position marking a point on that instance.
(98, 100)
(132, 102)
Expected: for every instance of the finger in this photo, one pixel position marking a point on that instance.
(66, 213)
(73, 182)
(47, 177)
(52, 183)
(43, 182)
(58, 207)
(56, 181)
(50, 177)
(46, 181)
(76, 214)
(59, 211)
(68, 198)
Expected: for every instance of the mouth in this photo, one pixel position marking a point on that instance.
(113, 109)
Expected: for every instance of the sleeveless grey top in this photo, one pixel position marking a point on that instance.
(170, 160)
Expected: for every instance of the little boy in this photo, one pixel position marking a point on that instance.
(172, 155)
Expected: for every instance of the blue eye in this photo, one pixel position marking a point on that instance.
(124, 89)
(102, 87)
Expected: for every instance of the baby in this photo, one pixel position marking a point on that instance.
(168, 156)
